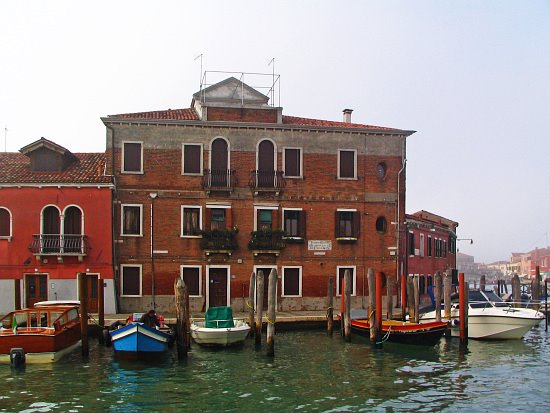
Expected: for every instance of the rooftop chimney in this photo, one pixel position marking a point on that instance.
(347, 115)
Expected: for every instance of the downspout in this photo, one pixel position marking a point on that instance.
(114, 220)
(397, 220)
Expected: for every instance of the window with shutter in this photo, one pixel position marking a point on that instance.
(347, 164)
(132, 153)
(191, 275)
(191, 224)
(192, 159)
(131, 280)
(131, 220)
(291, 282)
(5, 223)
(293, 162)
(348, 224)
(340, 277)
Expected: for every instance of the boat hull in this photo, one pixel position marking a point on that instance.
(219, 337)
(138, 338)
(427, 334)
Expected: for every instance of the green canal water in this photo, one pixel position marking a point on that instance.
(310, 373)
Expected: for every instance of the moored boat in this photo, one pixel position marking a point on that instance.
(403, 332)
(45, 334)
(490, 318)
(219, 329)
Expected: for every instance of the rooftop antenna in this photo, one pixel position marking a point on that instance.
(200, 77)
(6, 138)
(272, 90)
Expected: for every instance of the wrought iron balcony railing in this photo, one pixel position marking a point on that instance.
(219, 240)
(221, 180)
(267, 240)
(59, 244)
(266, 180)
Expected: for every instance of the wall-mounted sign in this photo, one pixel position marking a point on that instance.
(319, 245)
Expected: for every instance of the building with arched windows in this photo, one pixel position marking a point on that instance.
(231, 186)
(55, 222)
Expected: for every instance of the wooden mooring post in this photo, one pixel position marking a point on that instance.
(271, 303)
(410, 298)
(416, 290)
(482, 282)
(330, 309)
(372, 304)
(347, 305)
(251, 304)
(378, 316)
(535, 286)
(101, 308)
(516, 291)
(403, 297)
(389, 297)
(546, 303)
(447, 290)
(259, 308)
(437, 295)
(463, 309)
(83, 297)
(181, 293)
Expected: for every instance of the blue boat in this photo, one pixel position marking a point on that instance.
(137, 338)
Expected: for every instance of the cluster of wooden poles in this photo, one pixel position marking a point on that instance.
(410, 300)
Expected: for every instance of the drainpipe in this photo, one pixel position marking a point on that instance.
(153, 195)
(114, 220)
(397, 220)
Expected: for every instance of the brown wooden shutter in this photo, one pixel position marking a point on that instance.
(4, 223)
(347, 164)
(132, 157)
(292, 281)
(336, 224)
(228, 219)
(275, 219)
(191, 159)
(356, 224)
(191, 279)
(302, 224)
(208, 219)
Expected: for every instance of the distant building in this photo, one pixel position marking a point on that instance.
(431, 246)
(465, 263)
(55, 222)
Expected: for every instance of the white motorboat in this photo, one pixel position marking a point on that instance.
(490, 318)
(219, 329)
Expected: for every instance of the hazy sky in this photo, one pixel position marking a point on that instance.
(472, 77)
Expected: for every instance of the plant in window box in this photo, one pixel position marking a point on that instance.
(219, 239)
(346, 240)
(267, 239)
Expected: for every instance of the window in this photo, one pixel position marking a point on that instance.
(192, 159)
(5, 223)
(217, 219)
(292, 282)
(132, 157)
(192, 276)
(411, 243)
(381, 225)
(452, 244)
(347, 164)
(429, 246)
(294, 223)
(131, 280)
(421, 245)
(347, 224)
(381, 170)
(131, 220)
(265, 220)
(191, 220)
(444, 249)
(292, 160)
(340, 272)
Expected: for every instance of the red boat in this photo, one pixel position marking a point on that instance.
(44, 333)
(426, 334)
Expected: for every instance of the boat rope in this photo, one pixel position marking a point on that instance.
(372, 313)
(386, 336)
(329, 311)
(250, 307)
(269, 321)
(91, 317)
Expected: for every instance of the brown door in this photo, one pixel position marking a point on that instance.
(72, 230)
(266, 164)
(92, 281)
(266, 272)
(218, 163)
(36, 288)
(217, 288)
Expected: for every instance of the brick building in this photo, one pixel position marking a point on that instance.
(230, 185)
(55, 222)
(431, 246)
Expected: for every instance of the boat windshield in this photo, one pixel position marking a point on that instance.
(497, 301)
(477, 300)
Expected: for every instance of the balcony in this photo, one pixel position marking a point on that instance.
(219, 180)
(219, 241)
(59, 245)
(266, 181)
(267, 242)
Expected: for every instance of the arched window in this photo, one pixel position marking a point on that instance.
(50, 230)
(219, 162)
(381, 225)
(5, 223)
(266, 164)
(72, 229)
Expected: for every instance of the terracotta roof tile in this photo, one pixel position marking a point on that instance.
(293, 120)
(15, 169)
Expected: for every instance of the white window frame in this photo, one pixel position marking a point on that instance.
(354, 165)
(353, 293)
(122, 206)
(301, 162)
(10, 235)
(228, 298)
(274, 153)
(228, 152)
(283, 220)
(122, 170)
(421, 245)
(182, 235)
(122, 266)
(259, 208)
(348, 210)
(283, 268)
(183, 159)
(200, 277)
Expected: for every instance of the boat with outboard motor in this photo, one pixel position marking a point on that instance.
(490, 318)
(219, 329)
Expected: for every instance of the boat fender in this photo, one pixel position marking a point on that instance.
(456, 322)
(17, 357)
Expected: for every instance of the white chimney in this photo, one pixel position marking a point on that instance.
(347, 115)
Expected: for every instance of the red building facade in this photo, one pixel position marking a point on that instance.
(431, 246)
(232, 186)
(55, 222)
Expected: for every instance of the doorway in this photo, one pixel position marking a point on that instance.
(218, 286)
(266, 270)
(36, 288)
(92, 281)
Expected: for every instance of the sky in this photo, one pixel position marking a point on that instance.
(471, 77)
